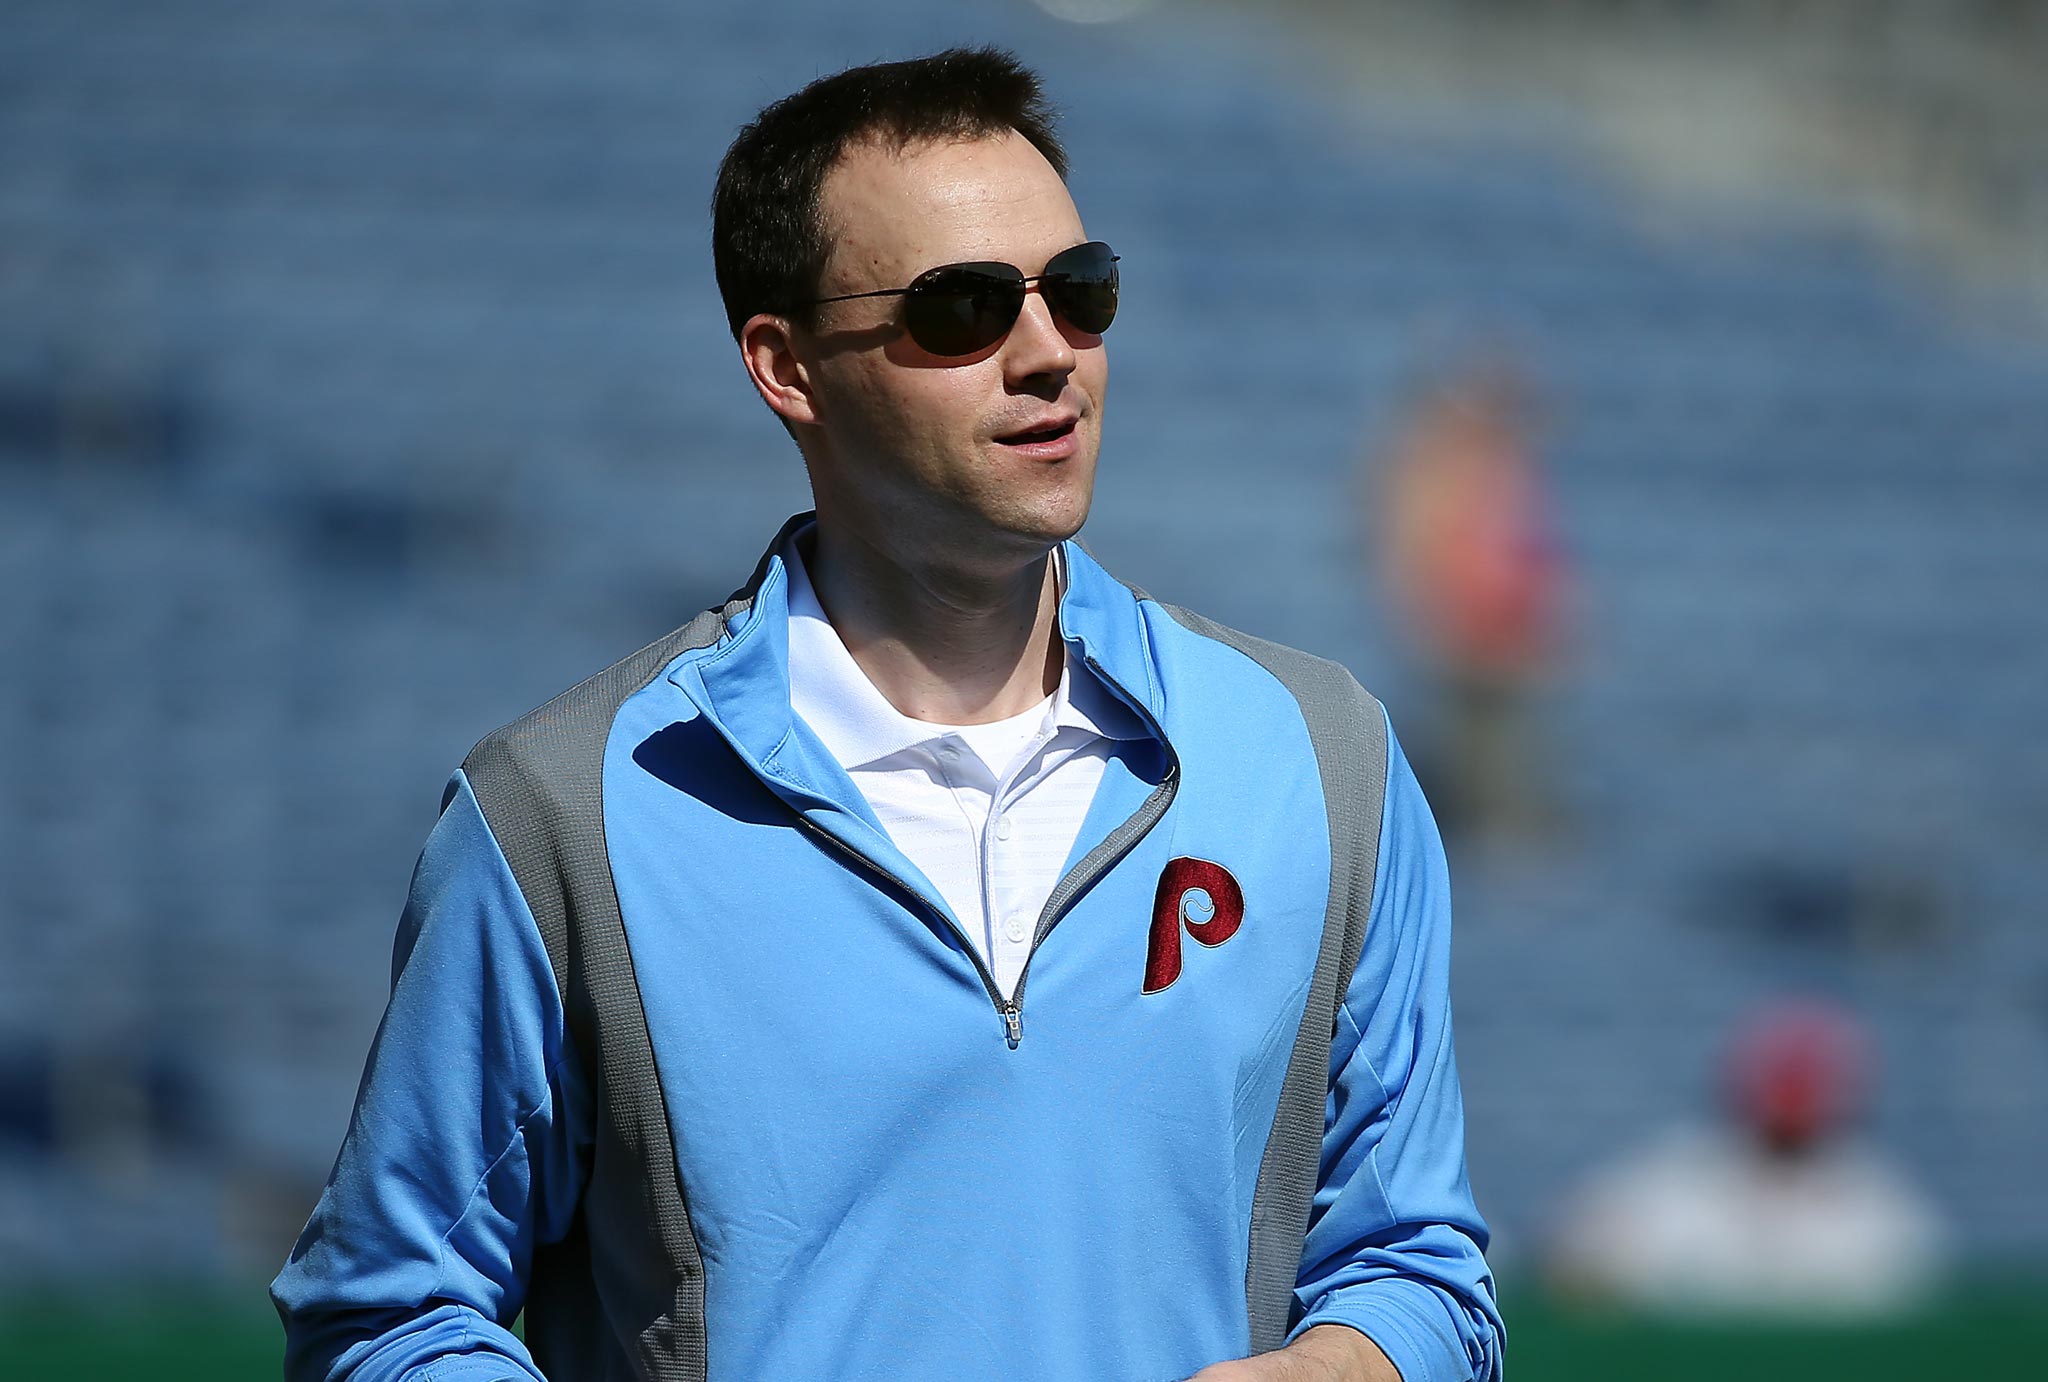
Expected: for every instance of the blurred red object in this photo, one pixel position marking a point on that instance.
(1797, 1072)
(1470, 545)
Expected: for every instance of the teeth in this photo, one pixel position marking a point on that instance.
(1042, 434)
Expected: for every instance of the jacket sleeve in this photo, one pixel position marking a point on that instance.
(1395, 1243)
(468, 1143)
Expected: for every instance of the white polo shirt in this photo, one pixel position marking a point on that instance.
(988, 812)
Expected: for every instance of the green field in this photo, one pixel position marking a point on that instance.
(2003, 1333)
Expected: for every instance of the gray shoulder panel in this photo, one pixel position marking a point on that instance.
(623, 1295)
(542, 773)
(1348, 731)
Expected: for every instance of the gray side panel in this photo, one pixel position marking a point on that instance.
(1349, 733)
(622, 1297)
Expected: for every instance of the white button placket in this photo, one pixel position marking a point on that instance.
(974, 792)
(1018, 923)
(999, 957)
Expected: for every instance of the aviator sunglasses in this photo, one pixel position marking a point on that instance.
(962, 309)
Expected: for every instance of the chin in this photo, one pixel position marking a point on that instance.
(1027, 533)
(1037, 510)
(1057, 517)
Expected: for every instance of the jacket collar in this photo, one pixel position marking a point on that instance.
(741, 683)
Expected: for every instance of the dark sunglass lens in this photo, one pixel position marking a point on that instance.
(1081, 285)
(961, 309)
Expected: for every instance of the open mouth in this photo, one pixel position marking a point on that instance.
(1038, 436)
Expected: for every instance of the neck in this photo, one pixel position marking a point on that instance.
(942, 642)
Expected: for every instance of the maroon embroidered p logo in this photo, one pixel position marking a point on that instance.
(1199, 895)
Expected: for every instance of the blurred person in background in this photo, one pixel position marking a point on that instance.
(708, 1045)
(1463, 530)
(1777, 1210)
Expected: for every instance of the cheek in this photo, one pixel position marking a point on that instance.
(938, 407)
(1094, 369)
(907, 427)
(912, 416)
(863, 393)
(868, 413)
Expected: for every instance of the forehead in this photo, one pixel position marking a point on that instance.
(889, 213)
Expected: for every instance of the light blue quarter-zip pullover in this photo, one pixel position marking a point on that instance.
(685, 1059)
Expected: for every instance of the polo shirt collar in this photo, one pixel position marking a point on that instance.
(741, 682)
(855, 721)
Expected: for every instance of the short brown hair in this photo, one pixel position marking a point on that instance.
(768, 242)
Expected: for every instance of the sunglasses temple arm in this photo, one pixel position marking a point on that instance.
(854, 297)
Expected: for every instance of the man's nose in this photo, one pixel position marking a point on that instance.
(1036, 345)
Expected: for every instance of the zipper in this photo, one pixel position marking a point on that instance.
(1013, 1017)
(1147, 815)
(1067, 889)
(1057, 906)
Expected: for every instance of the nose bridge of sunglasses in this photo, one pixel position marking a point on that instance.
(1050, 304)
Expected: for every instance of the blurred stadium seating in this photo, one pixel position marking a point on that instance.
(363, 382)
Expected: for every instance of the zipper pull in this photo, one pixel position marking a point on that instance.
(1013, 1018)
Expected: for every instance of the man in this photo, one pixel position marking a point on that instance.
(808, 996)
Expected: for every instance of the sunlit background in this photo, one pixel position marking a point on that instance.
(1648, 400)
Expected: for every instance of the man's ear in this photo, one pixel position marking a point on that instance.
(768, 345)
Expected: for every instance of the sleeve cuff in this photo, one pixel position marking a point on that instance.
(471, 1367)
(1410, 1324)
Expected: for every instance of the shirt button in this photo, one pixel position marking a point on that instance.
(1016, 931)
(1002, 827)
